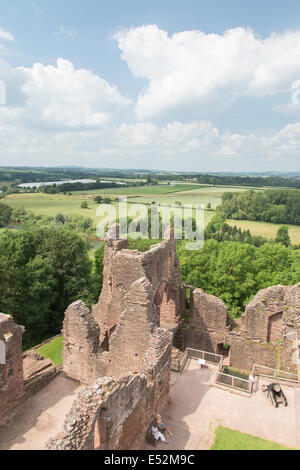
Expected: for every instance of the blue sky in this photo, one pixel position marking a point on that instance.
(194, 85)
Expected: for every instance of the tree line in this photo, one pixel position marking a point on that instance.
(278, 206)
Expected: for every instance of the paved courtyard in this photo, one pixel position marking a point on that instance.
(40, 417)
(196, 408)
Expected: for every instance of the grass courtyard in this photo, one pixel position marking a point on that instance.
(228, 439)
(53, 350)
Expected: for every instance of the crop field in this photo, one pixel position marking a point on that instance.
(50, 205)
(267, 230)
(183, 198)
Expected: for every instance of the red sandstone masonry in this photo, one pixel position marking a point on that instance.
(261, 336)
(110, 414)
(120, 351)
(11, 373)
(122, 332)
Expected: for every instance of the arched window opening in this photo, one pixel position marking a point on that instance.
(274, 327)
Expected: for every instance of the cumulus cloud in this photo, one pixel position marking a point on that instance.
(195, 146)
(63, 98)
(192, 67)
(61, 113)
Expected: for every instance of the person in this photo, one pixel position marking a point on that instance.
(158, 435)
(162, 426)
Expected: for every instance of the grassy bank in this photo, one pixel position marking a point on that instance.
(228, 439)
(53, 350)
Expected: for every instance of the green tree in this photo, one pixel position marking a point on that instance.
(84, 205)
(42, 271)
(283, 236)
(5, 214)
(60, 219)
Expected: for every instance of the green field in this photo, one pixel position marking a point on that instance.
(53, 350)
(50, 205)
(228, 439)
(179, 197)
(155, 189)
(265, 229)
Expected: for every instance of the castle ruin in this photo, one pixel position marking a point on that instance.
(120, 350)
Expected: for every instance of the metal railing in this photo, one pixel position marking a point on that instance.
(275, 374)
(234, 382)
(183, 361)
(191, 353)
(227, 380)
(209, 357)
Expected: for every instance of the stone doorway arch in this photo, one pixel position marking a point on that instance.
(274, 327)
(165, 303)
(99, 433)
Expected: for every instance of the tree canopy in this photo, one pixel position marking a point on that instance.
(42, 271)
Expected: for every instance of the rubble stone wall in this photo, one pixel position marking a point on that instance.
(122, 333)
(111, 414)
(251, 342)
(11, 365)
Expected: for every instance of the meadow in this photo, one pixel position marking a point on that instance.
(50, 205)
(265, 229)
(141, 190)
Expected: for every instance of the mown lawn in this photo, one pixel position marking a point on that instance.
(228, 439)
(53, 350)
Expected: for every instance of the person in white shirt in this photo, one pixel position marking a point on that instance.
(158, 435)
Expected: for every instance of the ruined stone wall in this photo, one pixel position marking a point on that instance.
(137, 345)
(112, 414)
(122, 267)
(122, 332)
(37, 371)
(11, 369)
(81, 344)
(275, 300)
(257, 339)
(209, 312)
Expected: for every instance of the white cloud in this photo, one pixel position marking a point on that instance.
(196, 146)
(64, 98)
(6, 36)
(192, 67)
(57, 114)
